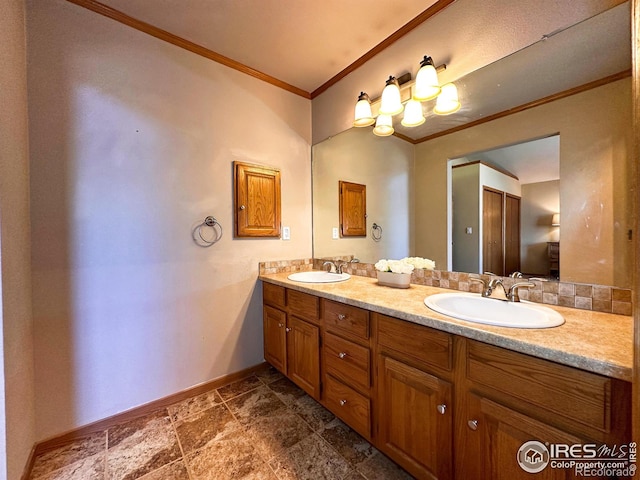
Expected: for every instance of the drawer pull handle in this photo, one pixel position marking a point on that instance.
(342, 354)
(343, 402)
(341, 316)
(473, 424)
(287, 329)
(442, 409)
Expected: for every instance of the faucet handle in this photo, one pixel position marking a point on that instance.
(487, 288)
(513, 296)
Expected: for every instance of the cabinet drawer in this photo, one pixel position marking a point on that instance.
(349, 405)
(416, 342)
(567, 392)
(346, 319)
(347, 361)
(273, 294)
(304, 305)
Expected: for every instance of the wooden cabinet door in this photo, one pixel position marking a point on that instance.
(415, 419)
(353, 209)
(275, 339)
(493, 436)
(303, 355)
(257, 200)
(511, 234)
(492, 220)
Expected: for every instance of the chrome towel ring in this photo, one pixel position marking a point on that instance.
(205, 240)
(376, 232)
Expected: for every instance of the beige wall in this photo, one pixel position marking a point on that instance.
(385, 166)
(132, 142)
(595, 147)
(17, 411)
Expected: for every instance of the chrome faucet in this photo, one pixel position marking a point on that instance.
(510, 295)
(334, 267)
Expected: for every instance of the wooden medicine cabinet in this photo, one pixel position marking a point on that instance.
(353, 209)
(256, 200)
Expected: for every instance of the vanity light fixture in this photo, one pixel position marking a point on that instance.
(413, 115)
(447, 102)
(363, 116)
(427, 86)
(555, 220)
(403, 94)
(384, 126)
(390, 104)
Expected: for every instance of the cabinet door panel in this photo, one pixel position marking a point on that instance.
(275, 322)
(499, 435)
(303, 355)
(257, 200)
(415, 429)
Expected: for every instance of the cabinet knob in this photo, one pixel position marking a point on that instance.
(473, 424)
(280, 325)
(242, 207)
(442, 408)
(342, 354)
(341, 316)
(287, 329)
(343, 402)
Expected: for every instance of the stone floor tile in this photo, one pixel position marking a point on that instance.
(207, 426)
(181, 410)
(379, 467)
(173, 471)
(83, 454)
(316, 416)
(256, 403)
(228, 458)
(288, 391)
(353, 447)
(238, 388)
(269, 375)
(277, 432)
(141, 446)
(310, 459)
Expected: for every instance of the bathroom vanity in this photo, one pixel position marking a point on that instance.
(447, 398)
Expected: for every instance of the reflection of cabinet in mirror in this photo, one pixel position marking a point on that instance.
(257, 200)
(353, 209)
(501, 232)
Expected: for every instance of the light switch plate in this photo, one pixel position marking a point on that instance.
(286, 233)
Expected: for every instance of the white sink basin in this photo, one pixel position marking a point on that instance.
(474, 308)
(316, 276)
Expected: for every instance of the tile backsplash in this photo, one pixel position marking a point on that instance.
(599, 298)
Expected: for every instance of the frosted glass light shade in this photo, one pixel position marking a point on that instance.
(413, 114)
(555, 220)
(390, 103)
(384, 126)
(447, 101)
(363, 116)
(426, 87)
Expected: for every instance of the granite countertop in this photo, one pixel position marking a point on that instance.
(597, 342)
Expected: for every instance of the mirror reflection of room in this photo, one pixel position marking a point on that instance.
(503, 204)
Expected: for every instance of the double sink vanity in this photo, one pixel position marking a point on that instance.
(442, 397)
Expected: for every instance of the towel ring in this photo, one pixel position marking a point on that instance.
(376, 232)
(200, 239)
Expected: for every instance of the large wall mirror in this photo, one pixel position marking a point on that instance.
(570, 156)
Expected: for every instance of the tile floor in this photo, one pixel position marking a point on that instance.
(262, 427)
